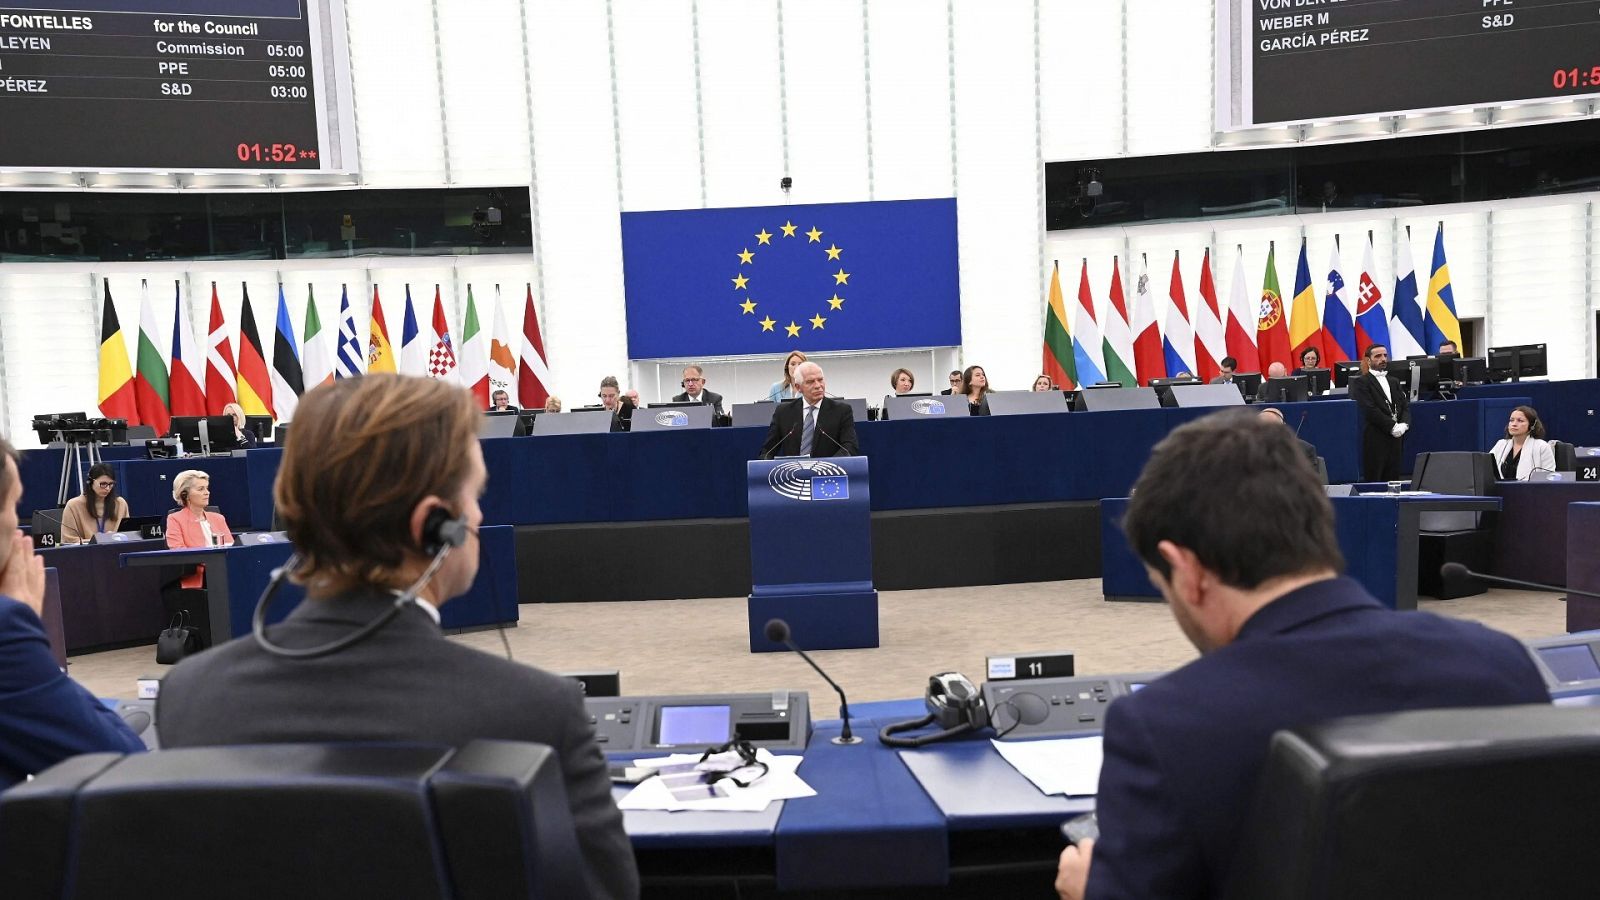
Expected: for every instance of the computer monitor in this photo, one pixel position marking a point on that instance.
(187, 430)
(525, 419)
(1288, 389)
(260, 426)
(219, 433)
(1344, 371)
(1531, 362)
(1249, 383)
(1320, 380)
(1427, 371)
(1468, 370)
(1503, 363)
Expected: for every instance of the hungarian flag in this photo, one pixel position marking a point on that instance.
(1338, 319)
(1210, 345)
(380, 355)
(1178, 346)
(116, 376)
(502, 360)
(1086, 341)
(1441, 324)
(414, 349)
(317, 368)
(1272, 327)
(150, 376)
(475, 353)
(1147, 358)
(1372, 317)
(1305, 325)
(288, 382)
(442, 359)
(1242, 316)
(183, 384)
(220, 370)
(1058, 361)
(1118, 342)
(254, 384)
(533, 375)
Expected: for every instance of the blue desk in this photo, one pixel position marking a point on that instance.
(1377, 535)
(1570, 409)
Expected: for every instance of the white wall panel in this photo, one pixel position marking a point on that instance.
(1169, 76)
(998, 187)
(1537, 277)
(395, 76)
(910, 83)
(825, 63)
(485, 91)
(49, 345)
(656, 104)
(1080, 69)
(740, 96)
(579, 220)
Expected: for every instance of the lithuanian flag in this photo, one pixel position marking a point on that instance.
(1059, 362)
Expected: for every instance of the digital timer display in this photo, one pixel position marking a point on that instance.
(175, 85)
(1291, 61)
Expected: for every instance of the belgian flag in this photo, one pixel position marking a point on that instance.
(116, 374)
(254, 385)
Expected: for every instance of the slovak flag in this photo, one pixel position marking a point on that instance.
(1372, 321)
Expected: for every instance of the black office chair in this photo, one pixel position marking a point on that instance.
(1463, 537)
(1566, 456)
(1321, 465)
(309, 821)
(1459, 803)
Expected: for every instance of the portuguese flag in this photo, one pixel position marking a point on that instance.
(1272, 329)
(116, 376)
(1059, 363)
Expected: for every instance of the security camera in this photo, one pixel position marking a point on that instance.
(785, 183)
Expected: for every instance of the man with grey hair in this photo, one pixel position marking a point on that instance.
(694, 390)
(814, 424)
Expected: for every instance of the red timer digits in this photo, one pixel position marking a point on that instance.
(1576, 78)
(273, 153)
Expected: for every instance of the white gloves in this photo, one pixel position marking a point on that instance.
(1399, 429)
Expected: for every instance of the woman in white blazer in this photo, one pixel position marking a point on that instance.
(1524, 448)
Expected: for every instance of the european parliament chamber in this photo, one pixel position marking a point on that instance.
(849, 449)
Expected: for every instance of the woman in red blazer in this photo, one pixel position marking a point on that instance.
(190, 525)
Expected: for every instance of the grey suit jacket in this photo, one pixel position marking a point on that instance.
(405, 683)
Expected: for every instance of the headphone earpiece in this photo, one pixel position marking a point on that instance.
(440, 531)
(183, 496)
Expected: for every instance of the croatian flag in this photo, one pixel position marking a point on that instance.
(1338, 322)
(1372, 319)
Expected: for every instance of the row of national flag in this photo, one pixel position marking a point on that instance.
(1123, 343)
(157, 386)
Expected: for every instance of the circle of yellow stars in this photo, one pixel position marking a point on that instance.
(747, 257)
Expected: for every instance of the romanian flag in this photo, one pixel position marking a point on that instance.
(150, 377)
(116, 375)
(255, 385)
(1058, 360)
(1305, 324)
(380, 356)
(1272, 331)
(1441, 323)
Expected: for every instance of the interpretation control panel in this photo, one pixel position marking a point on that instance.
(1057, 707)
(776, 720)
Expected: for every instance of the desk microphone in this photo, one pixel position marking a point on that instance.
(1303, 414)
(1454, 573)
(778, 632)
(835, 442)
(776, 444)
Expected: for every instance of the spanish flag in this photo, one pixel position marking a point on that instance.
(255, 385)
(380, 356)
(116, 374)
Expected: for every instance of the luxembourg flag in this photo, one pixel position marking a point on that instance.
(1086, 340)
(1178, 344)
(1372, 317)
(1338, 321)
(1406, 320)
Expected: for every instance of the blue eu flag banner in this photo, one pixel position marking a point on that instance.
(830, 487)
(769, 279)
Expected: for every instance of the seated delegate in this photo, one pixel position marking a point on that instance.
(191, 525)
(97, 510)
(242, 435)
(975, 385)
(1524, 448)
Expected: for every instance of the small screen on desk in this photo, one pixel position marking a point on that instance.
(693, 725)
(1574, 662)
(1136, 687)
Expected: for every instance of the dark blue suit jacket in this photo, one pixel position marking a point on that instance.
(45, 716)
(1182, 756)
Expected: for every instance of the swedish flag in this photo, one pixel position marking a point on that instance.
(1442, 324)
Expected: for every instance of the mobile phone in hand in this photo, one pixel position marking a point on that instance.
(1081, 828)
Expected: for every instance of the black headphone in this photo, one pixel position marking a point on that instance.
(441, 533)
(954, 703)
(183, 496)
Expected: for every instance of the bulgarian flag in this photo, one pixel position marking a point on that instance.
(116, 376)
(1058, 359)
(150, 379)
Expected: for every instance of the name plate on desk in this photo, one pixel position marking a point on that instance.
(1033, 664)
(924, 407)
(671, 418)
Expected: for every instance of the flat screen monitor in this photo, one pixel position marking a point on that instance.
(499, 423)
(693, 725)
(1503, 362)
(1531, 362)
(260, 426)
(219, 431)
(187, 430)
(1427, 371)
(1344, 371)
(1249, 383)
(1287, 389)
(1468, 370)
(1319, 381)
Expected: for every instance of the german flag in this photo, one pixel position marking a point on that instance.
(116, 375)
(255, 385)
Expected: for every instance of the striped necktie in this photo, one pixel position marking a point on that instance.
(808, 434)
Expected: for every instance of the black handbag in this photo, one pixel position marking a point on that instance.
(179, 640)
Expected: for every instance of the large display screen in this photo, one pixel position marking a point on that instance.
(175, 86)
(1289, 61)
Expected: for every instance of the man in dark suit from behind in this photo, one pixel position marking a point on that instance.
(694, 390)
(1274, 414)
(814, 424)
(378, 475)
(1385, 415)
(1237, 534)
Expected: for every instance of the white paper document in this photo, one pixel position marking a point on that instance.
(672, 793)
(1070, 766)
